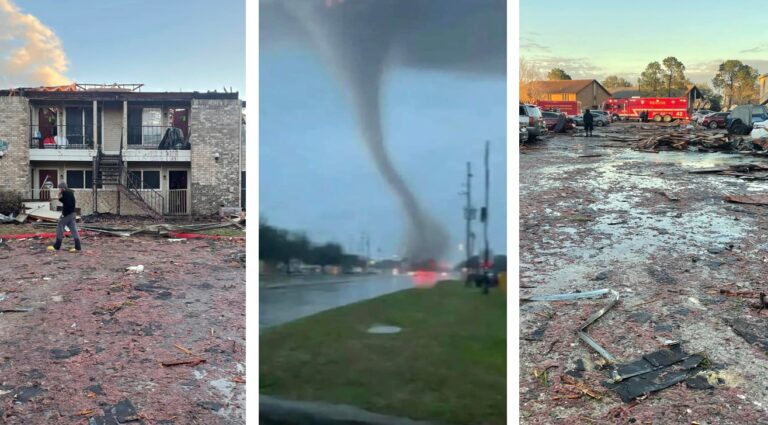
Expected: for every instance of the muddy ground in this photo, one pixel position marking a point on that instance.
(590, 222)
(91, 348)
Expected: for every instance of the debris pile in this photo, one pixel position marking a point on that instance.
(703, 141)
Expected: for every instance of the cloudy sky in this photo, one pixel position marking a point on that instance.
(596, 38)
(167, 45)
(316, 174)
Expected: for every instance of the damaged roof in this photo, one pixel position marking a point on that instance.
(116, 94)
(565, 86)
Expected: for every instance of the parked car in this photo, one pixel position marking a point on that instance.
(699, 115)
(523, 132)
(607, 116)
(743, 118)
(715, 120)
(551, 119)
(598, 120)
(536, 126)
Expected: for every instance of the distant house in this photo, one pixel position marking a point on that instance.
(625, 92)
(763, 83)
(693, 94)
(590, 93)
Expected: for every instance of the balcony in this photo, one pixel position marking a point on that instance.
(159, 137)
(54, 136)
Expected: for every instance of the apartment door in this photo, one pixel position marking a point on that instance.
(181, 120)
(47, 176)
(177, 191)
(47, 127)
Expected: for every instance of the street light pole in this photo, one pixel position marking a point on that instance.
(468, 215)
(485, 217)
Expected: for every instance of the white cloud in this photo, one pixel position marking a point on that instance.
(30, 52)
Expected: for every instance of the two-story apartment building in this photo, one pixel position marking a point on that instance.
(122, 150)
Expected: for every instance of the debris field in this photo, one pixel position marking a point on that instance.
(133, 330)
(680, 235)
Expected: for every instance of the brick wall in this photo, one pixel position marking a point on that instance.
(215, 130)
(14, 130)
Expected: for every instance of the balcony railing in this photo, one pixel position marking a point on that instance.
(52, 136)
(177, 202)
(157, 137)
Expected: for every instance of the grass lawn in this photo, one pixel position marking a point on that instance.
(227, 231)
(17, 229)
(447, 365)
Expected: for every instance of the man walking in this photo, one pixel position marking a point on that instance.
(67, 219)
(588, 123)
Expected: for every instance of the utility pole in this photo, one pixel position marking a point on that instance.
(469, 215)
(486, 283)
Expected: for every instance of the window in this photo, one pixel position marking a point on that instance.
(144, 179)
(151, 121)
(80, 179)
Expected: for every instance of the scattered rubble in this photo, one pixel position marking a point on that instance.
(97, 345)
(689, 266)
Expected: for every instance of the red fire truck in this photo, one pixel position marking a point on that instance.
(569, 108)
(658, 108)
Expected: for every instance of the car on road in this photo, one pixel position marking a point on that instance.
(700, 115)
(599, 120)
(743, 118)
(716, 120)
(551, 119)
(536, 126)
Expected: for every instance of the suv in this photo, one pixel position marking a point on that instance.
(743, 118)
(535, 125)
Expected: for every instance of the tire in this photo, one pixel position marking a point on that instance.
(667, 118)
(657, 118)
(616, 118)
(738, 127)
(600, 123)
(713, 125)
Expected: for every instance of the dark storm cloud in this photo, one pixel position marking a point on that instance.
(463, 35)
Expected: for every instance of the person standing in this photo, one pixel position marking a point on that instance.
(588, 123)
(67, 219)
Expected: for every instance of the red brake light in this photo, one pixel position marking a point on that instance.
(531, 121)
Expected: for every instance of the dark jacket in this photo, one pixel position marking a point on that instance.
(588, 118)
(67, 199)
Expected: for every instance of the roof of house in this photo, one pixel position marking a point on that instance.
(110, 94)
(564, 86)
(625, 92)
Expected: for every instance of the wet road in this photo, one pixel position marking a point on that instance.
(282, 304)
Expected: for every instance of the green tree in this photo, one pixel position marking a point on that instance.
(327, 254)
(614, 81)
(651, 81)
(674, 76)
(558, 74)
(737, 82)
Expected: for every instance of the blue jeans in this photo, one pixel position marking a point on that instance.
(68, 221)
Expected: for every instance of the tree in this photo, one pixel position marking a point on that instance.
(327, 254)
(614, 81)
(737, 82)
(651, 81)
(529, 92)
(558, 74)
(675, 76)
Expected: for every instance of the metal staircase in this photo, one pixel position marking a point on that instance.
(109, 170)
